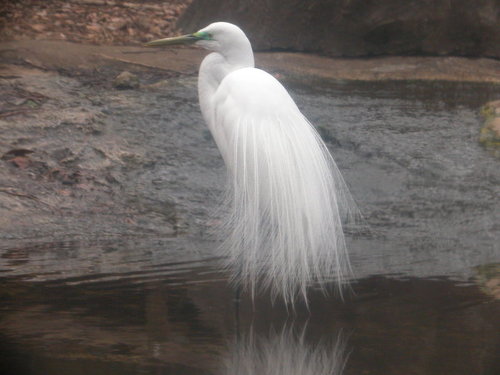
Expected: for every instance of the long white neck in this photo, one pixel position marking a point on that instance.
(215, 67)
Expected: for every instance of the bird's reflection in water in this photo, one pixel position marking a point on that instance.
(286, 352)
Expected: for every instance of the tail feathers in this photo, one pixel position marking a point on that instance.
(288, 200)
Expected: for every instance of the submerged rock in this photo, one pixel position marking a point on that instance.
(490, 133)
(488, 278)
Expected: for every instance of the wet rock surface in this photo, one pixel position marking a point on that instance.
(73, 156)
(82, 160)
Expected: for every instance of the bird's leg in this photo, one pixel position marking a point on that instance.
(237, 301)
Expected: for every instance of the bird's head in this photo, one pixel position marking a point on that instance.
(218, 37)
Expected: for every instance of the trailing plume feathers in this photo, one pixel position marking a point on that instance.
(286, 194)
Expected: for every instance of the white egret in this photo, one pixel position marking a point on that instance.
(286, 194)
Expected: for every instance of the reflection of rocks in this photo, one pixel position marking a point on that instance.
(490, 133)
(183, 323)
(157, 326)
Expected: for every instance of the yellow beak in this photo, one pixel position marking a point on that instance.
(183, 39)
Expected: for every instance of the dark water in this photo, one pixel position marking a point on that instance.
(423, 301)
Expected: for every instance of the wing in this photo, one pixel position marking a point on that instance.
(286, 191)
(246, 94)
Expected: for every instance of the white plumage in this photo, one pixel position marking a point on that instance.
(286, 194)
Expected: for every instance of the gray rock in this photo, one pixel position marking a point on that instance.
(359, 27)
